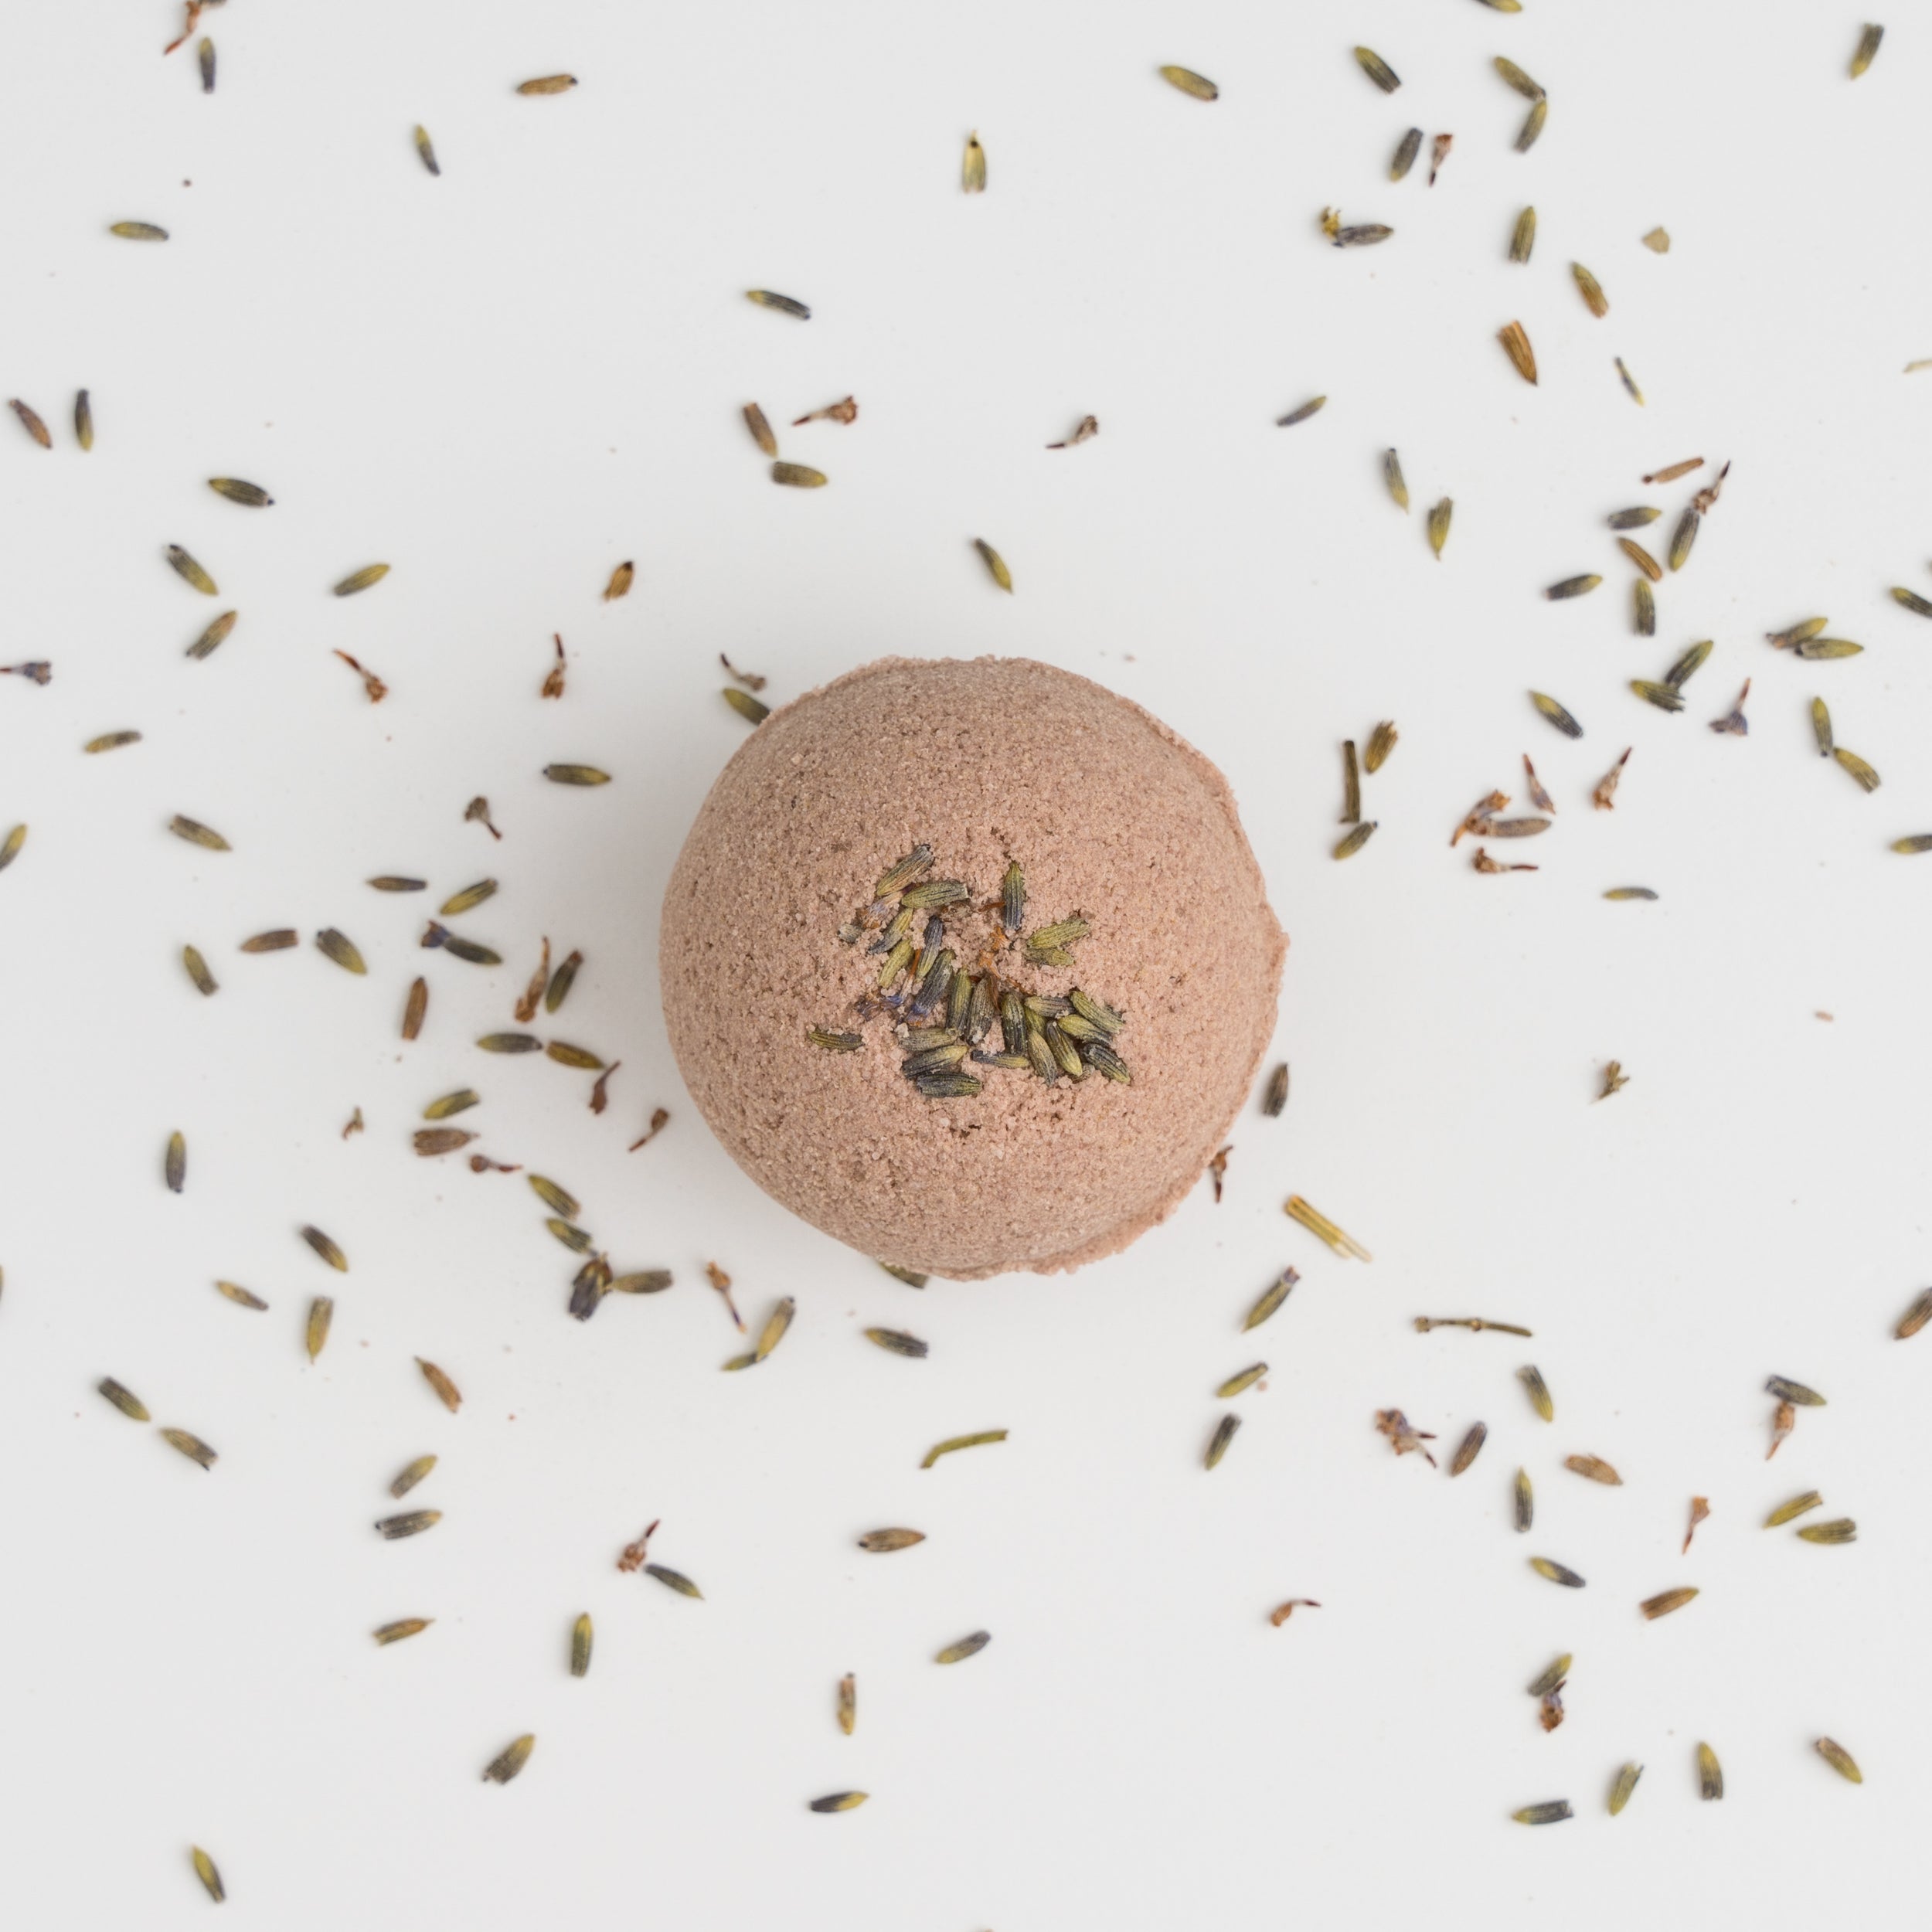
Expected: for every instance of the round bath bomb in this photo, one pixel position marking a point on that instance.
(1019, 1048)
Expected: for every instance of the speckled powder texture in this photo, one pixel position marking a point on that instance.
(1113, 817)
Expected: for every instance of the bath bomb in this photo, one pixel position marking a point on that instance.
(947, 1079)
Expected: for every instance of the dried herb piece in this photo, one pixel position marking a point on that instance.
(1657, 241)
(673, 1579)
(1404, 158)
(326, 1249)
(138, 231)
(394, 1633)
(175, 1163)
(785, 305)
(1604, 797)
(190, 571)
(1786, 1390)
(1224, 1433)
(1862, 58)
(1798, 1506)
(450, 1104)
(1469, 1448)
(83, 420)
(967, 1647)
(1438, 153)
(1833, 1754)
(1632, 519)
(1665, 1602)
(515, 1754)
(1538, 796)
(38, 671)
(1282, 1612)
(1552, 1714)
(1557, 714)
(1522, 1501)
(426, 151)
(361, 580)
(896, 1341)
(1626, 1783)
(1514, 76)
(1841, 1529)
(242, 1297)
(1350, 785)
(579, 774)
(1643, 607)
(746, 706)
(1867, 779)
(1403, 1436)
(1573, 587)
(951, 1443)
(1556, 1572)
(204, 1868)
(1391, 476)
(1275, 1096)
(1522, 237)
(1666, 697)
(848, 1703)
(1614, 1077)
(31, 422)
(1532, 1379)
(561, 981)
(845, 410)
(1088, 428)
(1378, 69)
(410, 1475)
(566, 1055)
(130, 1404)
(1277, 1293)
(843, 1800)
(1917, 605)
(1238, 1384)
(1359, 235)
(1190, 83)
(1700, 1508)
(1822, 727)
(1353, 843)
(1301, 414)
(1916, 1317)
(972, 173)
(1553, 1679)
(1516, 346)
(446, 1392)
(250, 495)
(884, 1541)
(1825, 650)
(479, 809)
(995, 564)
(1595, 1468)
(646, 1281)
(321, 1312)
(415, 1007)
(1439, 525)
(196, 1451)
(1533, 127)
(213, 637)
(773, 1332)
(1553, 1812)
(1710, 1774)
(580, 1639)
(340, 948)
(1733, 721)
(1323, 1228)
(1591, 289)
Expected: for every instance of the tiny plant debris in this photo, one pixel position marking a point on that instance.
(1615, 1079)
(1700, 1508)
(1403, 1436)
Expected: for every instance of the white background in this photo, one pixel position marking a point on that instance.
(505, 381)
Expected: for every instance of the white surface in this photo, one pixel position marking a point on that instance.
(505, 381)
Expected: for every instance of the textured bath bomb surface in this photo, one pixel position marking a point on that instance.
(1115, 820)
